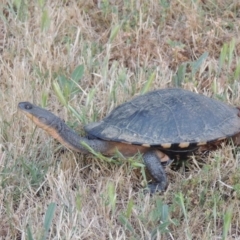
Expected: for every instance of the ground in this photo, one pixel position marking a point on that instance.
(80, 59)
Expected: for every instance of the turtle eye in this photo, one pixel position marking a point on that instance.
(28, 106)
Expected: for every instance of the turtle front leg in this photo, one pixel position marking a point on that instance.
(155, 167)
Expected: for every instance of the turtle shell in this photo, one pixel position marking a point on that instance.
(167, 118)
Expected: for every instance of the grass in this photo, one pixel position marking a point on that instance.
(80, 59)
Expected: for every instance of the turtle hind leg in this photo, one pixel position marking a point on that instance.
(156, 169)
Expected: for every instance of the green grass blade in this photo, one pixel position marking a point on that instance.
(227, 222)
(48, 218)
(197, 64)
(77, 73)
(149, 83)
(124, 221)
(29, 233)
(45, 20)
(59, 93)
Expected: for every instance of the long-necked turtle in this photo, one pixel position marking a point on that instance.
(156, 124)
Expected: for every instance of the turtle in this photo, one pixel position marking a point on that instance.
(160, 125)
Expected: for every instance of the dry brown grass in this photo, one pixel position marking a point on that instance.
(94, 199)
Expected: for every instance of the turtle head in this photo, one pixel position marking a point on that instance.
(54, 126)
(41, 117)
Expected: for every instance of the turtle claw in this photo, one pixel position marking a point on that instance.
(154, 188)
